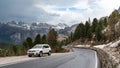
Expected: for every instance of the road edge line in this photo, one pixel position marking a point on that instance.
(96, 58)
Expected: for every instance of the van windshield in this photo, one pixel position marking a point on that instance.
(37, 47)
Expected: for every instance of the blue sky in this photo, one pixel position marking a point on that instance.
(55, 11)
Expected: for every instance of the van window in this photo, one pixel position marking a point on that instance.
(46, 46)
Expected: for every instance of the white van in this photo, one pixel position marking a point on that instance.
(39, 50)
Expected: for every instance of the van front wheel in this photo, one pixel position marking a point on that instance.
(40, 54)
(29, 55)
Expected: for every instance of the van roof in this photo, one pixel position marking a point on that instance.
(40, 44)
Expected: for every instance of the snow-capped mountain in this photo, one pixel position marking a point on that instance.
(68, 30)
(60, 26)
(16, 32)
(36, 26)
(19, 25)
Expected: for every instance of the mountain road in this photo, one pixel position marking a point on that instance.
(79, 58)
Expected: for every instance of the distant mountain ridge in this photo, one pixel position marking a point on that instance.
(17, 32)
(36, 25)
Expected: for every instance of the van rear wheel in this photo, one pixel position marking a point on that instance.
(49, 53)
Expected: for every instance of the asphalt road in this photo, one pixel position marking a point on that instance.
(80, 58)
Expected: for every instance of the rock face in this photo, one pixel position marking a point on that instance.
(113, 25)
(117, 27)
(61, 37)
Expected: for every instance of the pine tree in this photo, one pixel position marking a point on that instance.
(89, 34)
(105, 22)
(71, 37)
(87, 29)
(102, 24)
(98, 32)
(76, 33)
(52, 38)
(94, 24)
(29, 42)
(44, 40)
(24, 47)
(37, 39)
(79, 32)
(82, 30)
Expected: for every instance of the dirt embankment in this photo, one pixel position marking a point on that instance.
(114, 53)
(105, 59)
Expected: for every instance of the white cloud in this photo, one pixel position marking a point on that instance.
(58, 11)
(58, 3)
(107, 6)
(86, 9)
(67, 17)
(83, 4)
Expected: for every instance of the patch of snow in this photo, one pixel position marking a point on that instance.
(60, 26)
(118, 66)
(100, 46)
(109, 44)
(26, 26)
(80, 46)
(115, 44)
(87, 45)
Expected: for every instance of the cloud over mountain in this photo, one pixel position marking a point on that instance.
(55, 11)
